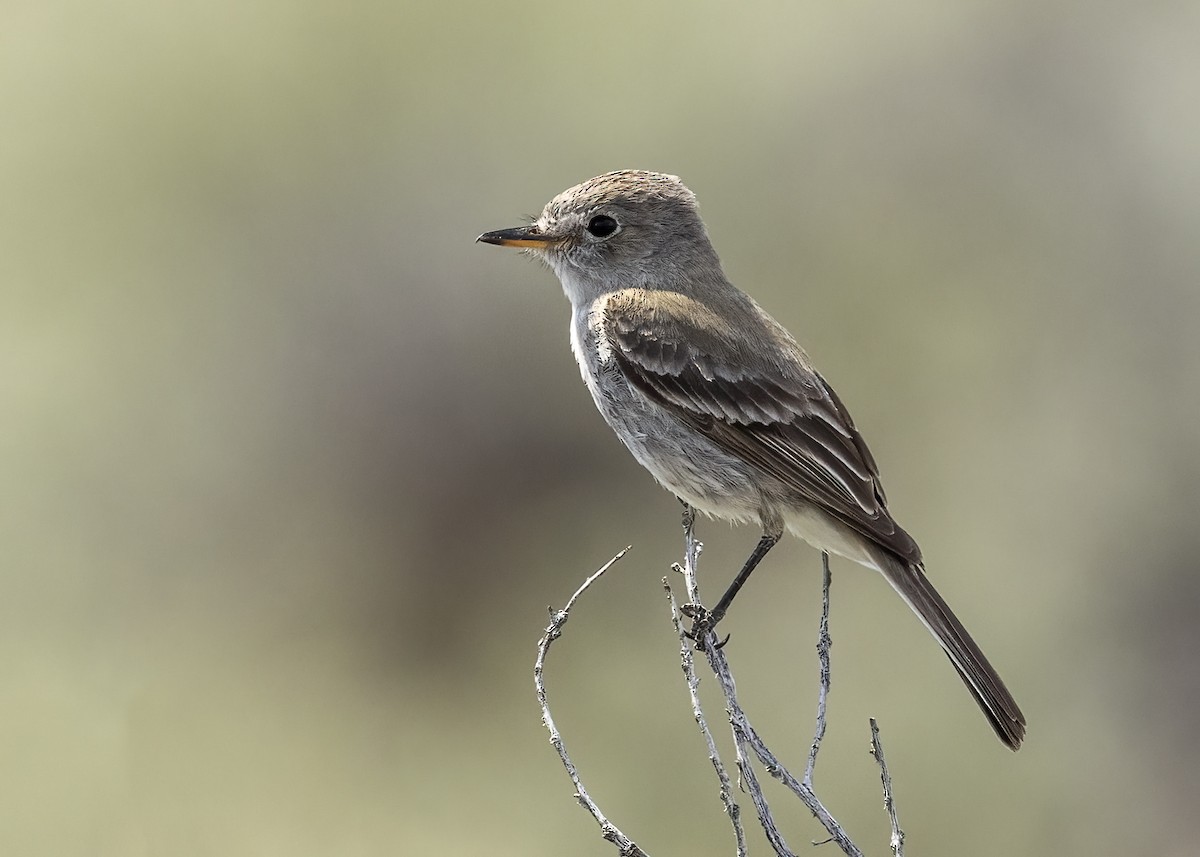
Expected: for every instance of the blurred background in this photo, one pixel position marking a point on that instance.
(290, 469)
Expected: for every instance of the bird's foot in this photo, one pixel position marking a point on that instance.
(702, 624)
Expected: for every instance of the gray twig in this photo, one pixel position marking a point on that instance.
(746, 737)
(824, 643)
(558, 618)
(889, 803)
(693, 684)
(747, 741)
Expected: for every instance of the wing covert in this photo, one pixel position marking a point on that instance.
(772, 411)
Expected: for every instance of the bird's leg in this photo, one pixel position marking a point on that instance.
(706, 620)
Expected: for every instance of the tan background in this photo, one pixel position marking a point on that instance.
(289, 469)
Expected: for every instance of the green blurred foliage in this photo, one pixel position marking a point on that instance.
(290, 469)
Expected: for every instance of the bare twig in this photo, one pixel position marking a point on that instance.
(747, 742)
(889, 802)
(693, 683)
(742, 730)
(824, 643)
(745, 737)
(558, 618)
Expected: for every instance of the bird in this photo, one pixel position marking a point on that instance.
(719, 402)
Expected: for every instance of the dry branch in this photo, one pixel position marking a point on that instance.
(748, 745)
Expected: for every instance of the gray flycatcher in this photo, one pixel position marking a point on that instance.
(715, 398)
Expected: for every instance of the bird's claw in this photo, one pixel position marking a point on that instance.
(702, 623)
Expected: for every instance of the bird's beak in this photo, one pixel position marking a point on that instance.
(519, 236)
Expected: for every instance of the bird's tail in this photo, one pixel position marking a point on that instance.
(979, 676)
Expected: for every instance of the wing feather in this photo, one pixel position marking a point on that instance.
(774, 412)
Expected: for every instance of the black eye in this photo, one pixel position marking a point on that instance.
(602, 226)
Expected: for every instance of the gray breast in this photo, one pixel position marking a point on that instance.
(684, 462)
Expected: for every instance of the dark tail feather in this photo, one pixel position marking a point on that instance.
(980, 678)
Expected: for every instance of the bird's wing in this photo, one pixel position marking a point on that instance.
(764, 405)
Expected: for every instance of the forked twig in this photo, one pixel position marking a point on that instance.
(746, 737)
(747, 742)
(558, 618)
(688, 662)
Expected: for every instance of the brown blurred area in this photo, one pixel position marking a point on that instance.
(289, 468)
